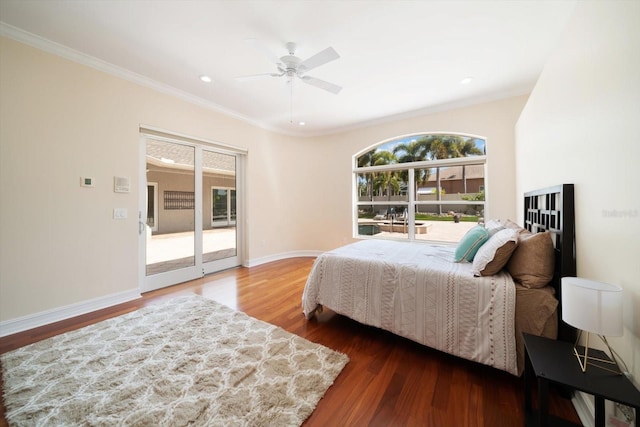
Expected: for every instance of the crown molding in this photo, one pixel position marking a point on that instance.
(70, 54)
(60, 50)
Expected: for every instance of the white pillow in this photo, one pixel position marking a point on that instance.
(494, 255)
(493, 226)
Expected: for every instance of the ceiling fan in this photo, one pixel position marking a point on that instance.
(291, 66)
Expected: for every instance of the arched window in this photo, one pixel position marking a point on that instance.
(428, 187)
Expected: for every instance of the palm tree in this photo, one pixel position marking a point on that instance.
(386, 180)
(414, 151)
(442, 147)
(363, 161)
(386, 183)
(366, 159)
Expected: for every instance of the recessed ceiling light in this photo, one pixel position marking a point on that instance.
(205, 79)
(301, 123)
(466, 80)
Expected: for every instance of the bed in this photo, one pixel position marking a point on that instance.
(476, 309)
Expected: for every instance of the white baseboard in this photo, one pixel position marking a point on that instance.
(31, 321)
(277, 257)
(584, 408)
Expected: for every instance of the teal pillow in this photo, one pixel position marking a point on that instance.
(470, 243)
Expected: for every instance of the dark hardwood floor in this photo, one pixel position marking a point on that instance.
(389, 381)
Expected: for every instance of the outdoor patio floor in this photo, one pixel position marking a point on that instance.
(437, 231)
(166, 252)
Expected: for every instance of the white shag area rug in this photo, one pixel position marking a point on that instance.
(188, 361)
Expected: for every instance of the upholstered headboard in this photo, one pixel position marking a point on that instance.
(552, 209)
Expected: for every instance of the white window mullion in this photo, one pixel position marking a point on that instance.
(412, 208)
(456, 161)
(198, 206)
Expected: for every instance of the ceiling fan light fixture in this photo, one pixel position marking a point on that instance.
(292, 66)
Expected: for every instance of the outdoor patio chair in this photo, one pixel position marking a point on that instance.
(381, 215)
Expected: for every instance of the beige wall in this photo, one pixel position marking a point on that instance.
(581, 126)
(60, 120)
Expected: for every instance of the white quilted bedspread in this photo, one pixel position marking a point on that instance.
(416, 290)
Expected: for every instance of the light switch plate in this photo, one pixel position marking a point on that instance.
(120, 213)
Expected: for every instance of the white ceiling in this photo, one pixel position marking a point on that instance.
(398, 58)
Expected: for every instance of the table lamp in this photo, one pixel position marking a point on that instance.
(592, 307)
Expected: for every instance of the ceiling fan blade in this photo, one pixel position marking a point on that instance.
(320, 58)
(329, 87)
(257, 76)
(260, 47)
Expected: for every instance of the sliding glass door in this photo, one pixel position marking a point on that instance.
(179, 242)
(220, 235)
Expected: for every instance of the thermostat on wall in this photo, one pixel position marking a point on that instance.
(86, 181)
(121, 184)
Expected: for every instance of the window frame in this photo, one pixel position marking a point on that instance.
(411, 203)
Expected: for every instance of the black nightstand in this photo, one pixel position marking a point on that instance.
(553, 361)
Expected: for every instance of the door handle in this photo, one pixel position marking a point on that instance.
(140, 227)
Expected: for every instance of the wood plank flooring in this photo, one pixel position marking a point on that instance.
(389, 381)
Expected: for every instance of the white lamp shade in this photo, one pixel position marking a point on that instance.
(592, 306)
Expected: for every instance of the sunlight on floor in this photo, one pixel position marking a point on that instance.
(166, 247)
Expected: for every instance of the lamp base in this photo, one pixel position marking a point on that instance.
(584, 359)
